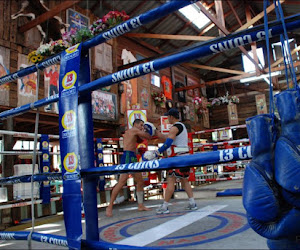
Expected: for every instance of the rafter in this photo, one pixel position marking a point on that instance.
(226, 32)
(230, 71)
(258, 17)
(170, 37)
(230, 79)
(47, 15)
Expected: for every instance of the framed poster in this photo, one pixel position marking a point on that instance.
(103, 57)
(205, 115)
(192, 92)
(261, 105)
(143, 84)
(232, 114)
(133, 114)
(129, 97)
(76, 20)
(104, 105)
(4, 66)
(51, 83)
(27, 84)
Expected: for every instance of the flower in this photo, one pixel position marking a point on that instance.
(69, 36)
(234, 99)
(114, 18)
(159, 98)
(215, 102)
(97, 27)
(34, 57)
(197, 100)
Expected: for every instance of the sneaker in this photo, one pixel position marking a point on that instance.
(192, 207)
(162, 210)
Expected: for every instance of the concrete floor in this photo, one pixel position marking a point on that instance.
(219, 223)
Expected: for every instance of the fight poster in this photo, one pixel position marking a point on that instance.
(232, 114)
(51, 83)
(261, 105)
(27, 84)
(4, 70)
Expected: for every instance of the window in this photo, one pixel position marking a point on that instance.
(249, 67)
(155, 80)
(193, 13)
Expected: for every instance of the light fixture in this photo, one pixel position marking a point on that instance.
(255, 78)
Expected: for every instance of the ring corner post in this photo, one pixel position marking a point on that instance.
(86, 149)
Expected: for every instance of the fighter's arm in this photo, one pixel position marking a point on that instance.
(170, 138)
(143, 134)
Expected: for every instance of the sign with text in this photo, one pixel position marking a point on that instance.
(165, 125)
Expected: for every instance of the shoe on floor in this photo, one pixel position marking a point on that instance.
(162, 210)
(192, 207)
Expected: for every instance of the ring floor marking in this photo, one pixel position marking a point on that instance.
(156, 233)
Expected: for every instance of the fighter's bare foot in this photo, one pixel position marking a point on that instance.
(109, 212)
(143, 208)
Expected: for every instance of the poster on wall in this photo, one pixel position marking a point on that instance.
(129, 97)
(4, 70)
(51, 83)
(261, 105)
(104, 105)
(232, 114)
(26, 85)
(165, 125)
(103, 57)
(143, 83)
(192, 82)
(135, 114)
(167, 86)
(205, 114)
(76, 20)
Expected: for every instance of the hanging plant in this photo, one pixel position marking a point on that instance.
(83, 35)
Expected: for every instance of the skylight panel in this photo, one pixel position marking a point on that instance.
(193, 13)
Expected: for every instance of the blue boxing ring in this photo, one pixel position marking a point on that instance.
(76, 124)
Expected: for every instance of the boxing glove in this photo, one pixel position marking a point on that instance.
(149, 128)
(150, 155)
(287, 154)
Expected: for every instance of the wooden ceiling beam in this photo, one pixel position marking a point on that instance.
(234, 12)
(226, 32)
(281, 59)
(170, 37)
(137, 8)
(47, 15)
(230, 79)
(229, 71)
(258, 17)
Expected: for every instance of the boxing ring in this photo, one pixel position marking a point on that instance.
(76, 126)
